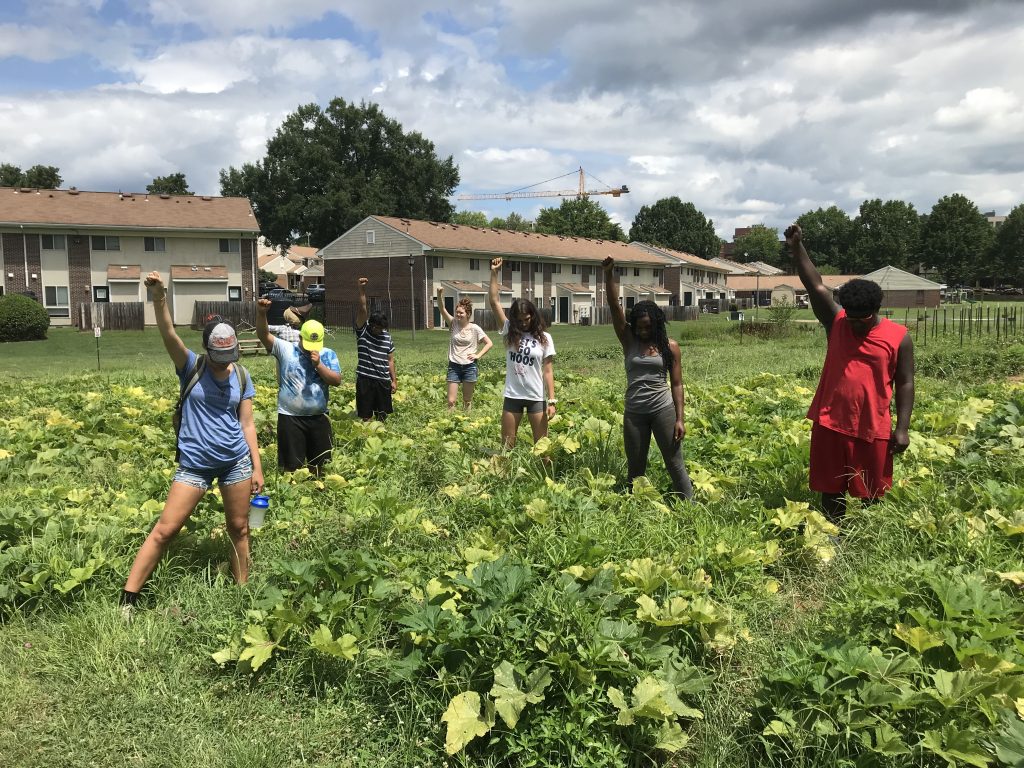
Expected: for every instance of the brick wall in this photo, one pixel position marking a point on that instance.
(79, 279)
(35, 267)
(248, 254)
(670, 277)
(341, 278)
(14, 263)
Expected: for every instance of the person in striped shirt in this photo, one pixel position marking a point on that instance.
(376, 381)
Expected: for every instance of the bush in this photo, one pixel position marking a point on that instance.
(22, 319)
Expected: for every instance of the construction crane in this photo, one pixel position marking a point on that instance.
(581, 191)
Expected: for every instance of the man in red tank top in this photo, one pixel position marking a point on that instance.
(869, 359)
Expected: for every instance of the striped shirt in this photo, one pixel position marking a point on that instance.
(372, 354)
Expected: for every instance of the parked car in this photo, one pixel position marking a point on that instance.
(316, 292)
(266, 288)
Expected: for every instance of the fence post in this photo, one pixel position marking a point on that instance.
(961, 328)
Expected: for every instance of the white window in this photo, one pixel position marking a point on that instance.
(371, 237)
(474, 264)
(620, 271)
(53, 243)
(154, 244)
(230, 245)
(556, 269)
(57, 300)
(100, 293)
(575, 269)
(234, 293)
(636, 271)
(106, 243)
(437, 262)
(657, 273)
(514, 266)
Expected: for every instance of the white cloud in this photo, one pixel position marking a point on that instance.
(731, 106)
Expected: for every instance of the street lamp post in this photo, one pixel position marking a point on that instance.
(412, 294)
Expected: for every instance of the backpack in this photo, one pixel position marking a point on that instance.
(192, 377)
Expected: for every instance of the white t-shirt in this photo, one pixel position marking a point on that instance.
(524, 366)
(464, 341)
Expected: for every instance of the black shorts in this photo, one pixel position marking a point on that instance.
(303, 440)
(373, 398)
(517, 405)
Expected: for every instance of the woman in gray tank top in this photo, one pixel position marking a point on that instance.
(653, 405)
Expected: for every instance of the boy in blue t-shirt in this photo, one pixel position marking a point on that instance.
(305, 370)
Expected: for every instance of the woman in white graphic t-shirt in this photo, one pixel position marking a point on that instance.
(464, 350)
(528, 365)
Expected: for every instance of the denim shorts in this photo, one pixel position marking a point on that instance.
(203, 479)
(462, 372)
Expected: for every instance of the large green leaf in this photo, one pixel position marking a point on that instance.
(955, 745)
(344, 647)
(464, 722)
(509, 699)
(259, 646)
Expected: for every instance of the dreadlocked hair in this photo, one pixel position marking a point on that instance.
(520, 307)
(659, 327)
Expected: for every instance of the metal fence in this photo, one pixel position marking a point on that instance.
(970, 324)
(116, 316)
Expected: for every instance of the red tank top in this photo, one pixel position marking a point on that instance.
(855, 390)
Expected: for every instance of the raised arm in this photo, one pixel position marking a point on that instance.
(445, 315)
(675, 376)
(262, 328)
(493, 296)
(904, 392)
(611, 295)
(172, 342)
(363, 313)
(825, 308)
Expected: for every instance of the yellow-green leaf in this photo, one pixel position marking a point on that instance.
(464, 722)
(918, 638)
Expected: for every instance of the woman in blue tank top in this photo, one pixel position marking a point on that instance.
(653, 406)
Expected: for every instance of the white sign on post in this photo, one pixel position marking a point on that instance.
(97, 331)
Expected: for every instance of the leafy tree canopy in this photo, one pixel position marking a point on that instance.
(36, 177)
(955, 239)
(514, 221)
(469, 218)
(828, 235)
(886, 233)
(580, 217)
(761, 243)
(671, 223)
(173, 184)
(326, 169)
(1007, 252)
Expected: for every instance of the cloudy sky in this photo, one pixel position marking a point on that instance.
(754, 111)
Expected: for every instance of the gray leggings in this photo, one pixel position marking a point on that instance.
(637, 429)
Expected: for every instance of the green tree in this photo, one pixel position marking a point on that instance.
(761, 244)
(469, 218)
(43, 177)
(36, 177)
(515, 222)
(1007, 251)
(10, 175)
(828, 235)
(579, 217)
(885, 234)
(955, 239)
(671, 223)
(326, 169)
(173, 184)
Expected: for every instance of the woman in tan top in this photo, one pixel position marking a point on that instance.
(463, 350)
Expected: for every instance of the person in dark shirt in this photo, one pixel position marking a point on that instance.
(376, 381)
